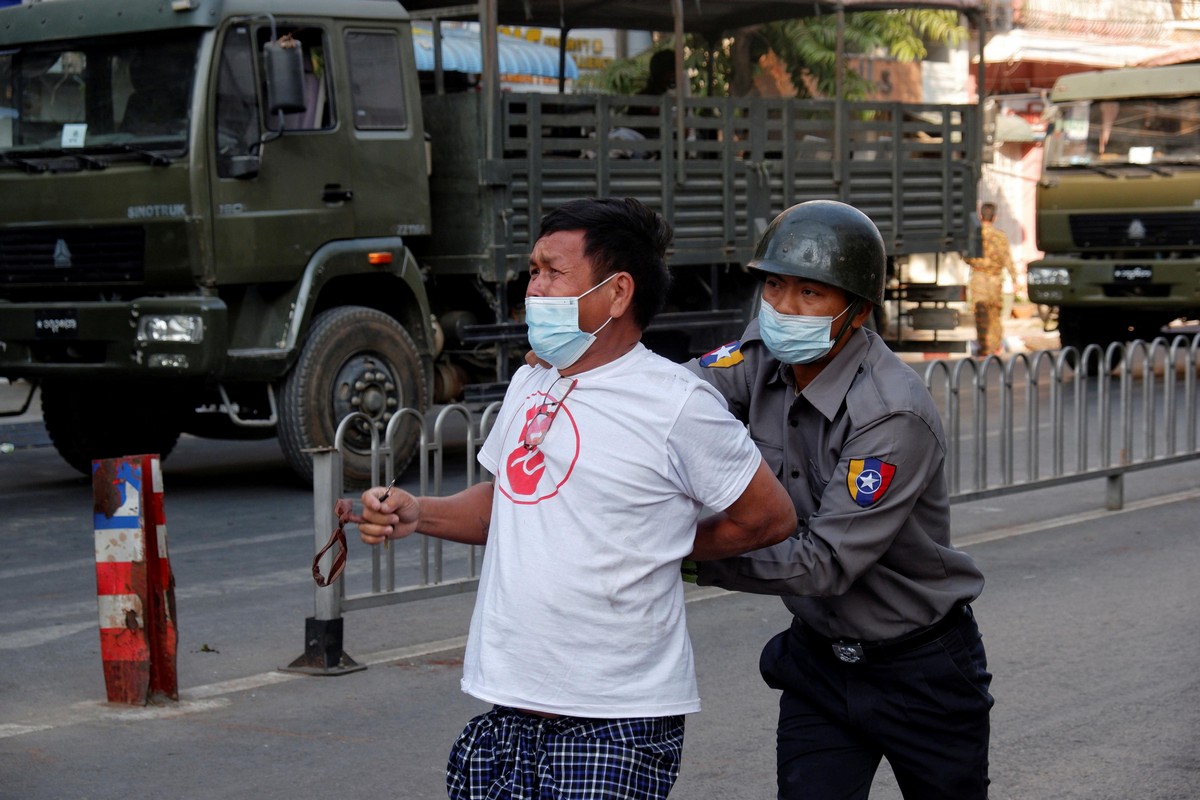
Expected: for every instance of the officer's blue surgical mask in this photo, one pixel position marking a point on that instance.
(554, 332)
(795, 338)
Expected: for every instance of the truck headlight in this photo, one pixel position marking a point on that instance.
(186, 328)
(1048, 276)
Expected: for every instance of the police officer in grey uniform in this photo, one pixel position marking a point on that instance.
(883, 657)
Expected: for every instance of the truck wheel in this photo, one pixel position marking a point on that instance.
(87, 421)
(1078, 328)
(354, 359)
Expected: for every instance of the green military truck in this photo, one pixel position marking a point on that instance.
(249, 218)
(1118, 206)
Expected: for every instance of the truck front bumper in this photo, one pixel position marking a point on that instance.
(145, 338)
(1151, 285)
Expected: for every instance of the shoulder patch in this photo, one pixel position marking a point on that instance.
(727, 355)
(868, 479)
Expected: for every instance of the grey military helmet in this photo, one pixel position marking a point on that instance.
(826, 241)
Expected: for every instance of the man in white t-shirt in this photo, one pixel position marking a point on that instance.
(603, 463)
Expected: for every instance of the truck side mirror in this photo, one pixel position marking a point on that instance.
(284, 66)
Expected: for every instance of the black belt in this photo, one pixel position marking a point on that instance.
(861, 652)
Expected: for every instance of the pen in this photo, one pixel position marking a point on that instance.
(383, 497)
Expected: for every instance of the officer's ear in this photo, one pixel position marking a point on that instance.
(862, 314)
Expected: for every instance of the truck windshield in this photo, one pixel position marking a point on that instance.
(1103, 133)
(98, 95)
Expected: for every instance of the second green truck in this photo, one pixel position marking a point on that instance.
(1118, 206)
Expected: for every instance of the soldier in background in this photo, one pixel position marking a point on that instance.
(987, 283)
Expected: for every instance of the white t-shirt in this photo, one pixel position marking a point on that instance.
(580, 604)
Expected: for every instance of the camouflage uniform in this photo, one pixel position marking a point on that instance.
(986, 288)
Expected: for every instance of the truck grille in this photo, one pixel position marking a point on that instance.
(74, 255)
(1169, 229)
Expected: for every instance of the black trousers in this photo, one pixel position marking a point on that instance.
(925, 710)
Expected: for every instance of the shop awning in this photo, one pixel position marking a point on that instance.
(1178, 54)
(461, 53)
(1011, 128)
(1020, 46)
(1021, 60)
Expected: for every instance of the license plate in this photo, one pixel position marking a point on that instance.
(1132, 274)
(56, 325)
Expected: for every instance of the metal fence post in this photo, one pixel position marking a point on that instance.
(323, 653)
(1114, 492)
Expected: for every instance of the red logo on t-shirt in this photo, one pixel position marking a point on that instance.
(526, 479)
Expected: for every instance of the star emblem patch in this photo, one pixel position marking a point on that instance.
(727, 355)
(868, 479)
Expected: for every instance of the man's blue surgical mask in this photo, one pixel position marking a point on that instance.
(554, 332)
(795, 338)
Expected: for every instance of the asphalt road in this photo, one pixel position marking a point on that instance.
(1089, 618)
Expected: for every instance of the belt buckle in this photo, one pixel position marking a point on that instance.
(848, 652)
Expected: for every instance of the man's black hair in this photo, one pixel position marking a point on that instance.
(621, 236)
(661, 78)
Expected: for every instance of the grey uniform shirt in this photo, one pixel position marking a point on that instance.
(861, 451)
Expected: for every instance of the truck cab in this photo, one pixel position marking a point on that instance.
(1118, 205)
(187, 192)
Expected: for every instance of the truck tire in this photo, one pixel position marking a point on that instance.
(354, 359)
(1079, 328)
(87, 421)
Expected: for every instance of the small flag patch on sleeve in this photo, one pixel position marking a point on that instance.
(868, 479)
(727, 355)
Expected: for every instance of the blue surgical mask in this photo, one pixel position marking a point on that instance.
(554, 332)
(795, 338)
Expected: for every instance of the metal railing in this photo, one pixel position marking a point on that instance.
(428, 557)
(1092, 413)
(1024, 404)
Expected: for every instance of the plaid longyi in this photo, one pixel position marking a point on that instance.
(505, 754)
